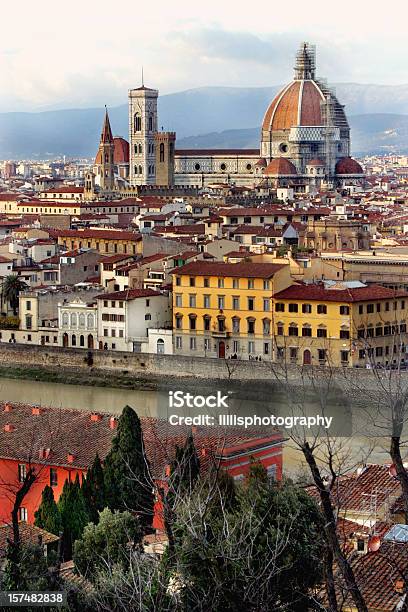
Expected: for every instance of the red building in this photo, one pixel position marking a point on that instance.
(61, 443)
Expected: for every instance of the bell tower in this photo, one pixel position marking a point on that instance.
(106, 150)
(142, 129)
(165, 144)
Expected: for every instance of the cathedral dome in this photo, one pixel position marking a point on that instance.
(120, 152)
(302, 102)
(299, 103)
(348, 165)
(280, 166)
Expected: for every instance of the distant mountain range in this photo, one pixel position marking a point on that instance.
(219, 117)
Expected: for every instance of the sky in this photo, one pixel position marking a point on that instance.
(79, 53)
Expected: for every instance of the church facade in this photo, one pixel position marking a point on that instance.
(304, 143)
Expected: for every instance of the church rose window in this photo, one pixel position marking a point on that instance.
(197, 167)
(249, 167)
(283, 147)
(223, 166)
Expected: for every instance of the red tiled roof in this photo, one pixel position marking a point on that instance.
(348, 165)
(30, 534)
(218, 268)
(376, 575)
(280, 166)
(128, 294)
(65, 189)
(320, 293)
(72, 431)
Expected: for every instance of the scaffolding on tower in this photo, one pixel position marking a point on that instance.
(328, 115)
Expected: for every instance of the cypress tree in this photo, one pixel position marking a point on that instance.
(93, 489)
(47, 516)
(74, 515)
(126, 471)
(186, 467)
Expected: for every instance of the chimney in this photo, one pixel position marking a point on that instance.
(36, 410)
(8, 407)
(113, 422)
(70, 457)
(203, 452)
(399, 586)
(95, 417)
(9, 427)
(167, 470)
(44, 453)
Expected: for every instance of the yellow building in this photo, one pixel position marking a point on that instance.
(105, 241)
(225, 310)
(340, 324)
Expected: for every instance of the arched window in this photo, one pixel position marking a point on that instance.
(293, 330)
(65, 319)
(81, 341)
(81, 320)
(140, 149)
(73, 320)
(137, 122)
(160, 346)
(162, 152)
(140, 170)
(73, 340)
(150, 123)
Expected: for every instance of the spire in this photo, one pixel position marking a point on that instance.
(305, 62)
(106, 136)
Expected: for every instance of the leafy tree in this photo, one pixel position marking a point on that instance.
(34, 574)
(74, 515)
(12, 286)
(128, 483)
(93, 489)
(47, 516)
(107, 543)
(261, 553)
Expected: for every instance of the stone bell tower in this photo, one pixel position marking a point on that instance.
(165, 145)
(142, 129)
(106, 150)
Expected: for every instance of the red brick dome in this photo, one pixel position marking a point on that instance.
(280, 166)
(348, 165)
(120, 152)
(261, 163)
(299, 103)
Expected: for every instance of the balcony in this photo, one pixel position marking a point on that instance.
(220, 333)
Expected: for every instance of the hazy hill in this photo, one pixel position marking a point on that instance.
(210, 116)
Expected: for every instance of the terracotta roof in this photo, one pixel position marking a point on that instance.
(320, 293)
(348, 165)
(280, 166)
(377, 574)
(65, 189)
(120, 152)
(238, 270)
(30, 534)
(128, 294)
(72, 431)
